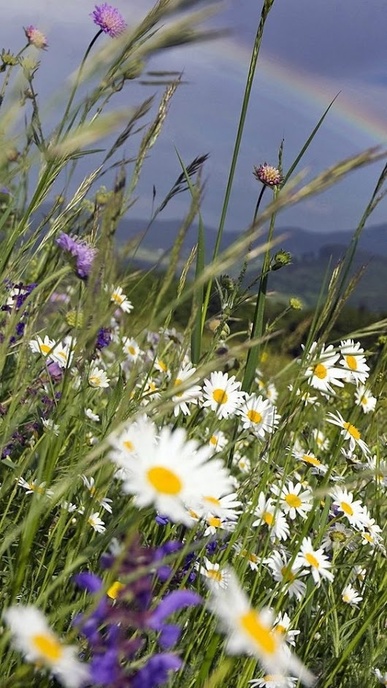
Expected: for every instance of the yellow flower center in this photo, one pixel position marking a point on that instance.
(250, 556)
(280, 629)
(354, 432)
(215, 575)
(164, 480)
(287, 574)
(213, 500)
(364, 401)
(213, 440)
(45, 348)
(48, 646)
(351, 362)
(177, 383)
(311, 559)
(220, 396)
(132, 350)
(320, 371)
(114, 590)
(311, 459)
(129, 445)
(214, 522)
(254, 416)
(293, 501)
(268, 518)
(344, 506)
(118, 298)
(162, 365)
(260, 634)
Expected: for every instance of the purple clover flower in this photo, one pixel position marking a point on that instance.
(80, 251)
(109, 19)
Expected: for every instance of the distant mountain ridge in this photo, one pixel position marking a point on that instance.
(162, 234)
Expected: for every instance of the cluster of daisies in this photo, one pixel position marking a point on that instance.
(287, 501)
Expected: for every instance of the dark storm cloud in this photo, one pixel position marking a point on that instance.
(330, 37)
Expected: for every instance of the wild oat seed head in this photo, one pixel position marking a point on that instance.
(109, 19)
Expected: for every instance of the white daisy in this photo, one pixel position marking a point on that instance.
(50, 426)
(322, 373)
(97, 377)
(218, 576)
(315, 560)
(282, 625)
(217, 441)
(131, 349)
(42, 346)
(39, 644)
(350, 596)
(310, 459)
(253, 559)
(258, 415)
(226, 507)
(187, 396)
(294, 499)
(222, 394)
(364, 398)
(171, 472)
(105, 502)
(288, 575)
(120, 299)
(96, 522)
(353, 362)
(63, 352)
(251, 631)
(348, 431)
(353, 509)
(32, 487)
(269, 514)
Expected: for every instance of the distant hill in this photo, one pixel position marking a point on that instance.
(313, 253)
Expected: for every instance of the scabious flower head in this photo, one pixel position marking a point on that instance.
(268, 175)
(109, 19)
(36, 37)
(80, 251)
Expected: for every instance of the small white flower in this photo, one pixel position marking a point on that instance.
(315, 560)
(218, 576)
(91, 415)
(258, 415)
(294, 499)
(97, 377)
(364, 398)
(350, 596)
(131, 349)
(33, 487)
(269, 514)
(50, 426)
(348, 431)
(96, 522)
(322, 373)
(120, 299)
(288, 575)
(351, 508)
(353, 362)
(222, 394)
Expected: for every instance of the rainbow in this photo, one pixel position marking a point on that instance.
(311, 94)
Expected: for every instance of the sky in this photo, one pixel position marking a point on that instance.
(311, 51)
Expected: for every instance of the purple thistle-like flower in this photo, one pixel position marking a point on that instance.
(109, 19)
(156, 670)
(82, 253)
(36, 37)
(268, 175)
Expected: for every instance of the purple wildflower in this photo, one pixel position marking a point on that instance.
(268, 175)
(104, 337)
(109, 19)
(156, 670)
(82, 253)
(176, 600)
(36, 37)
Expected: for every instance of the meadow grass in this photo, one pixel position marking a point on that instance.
(180, 506)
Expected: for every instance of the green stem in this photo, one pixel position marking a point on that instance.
(267, 5)
(257, 328)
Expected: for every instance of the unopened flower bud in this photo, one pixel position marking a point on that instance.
(280, 259)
